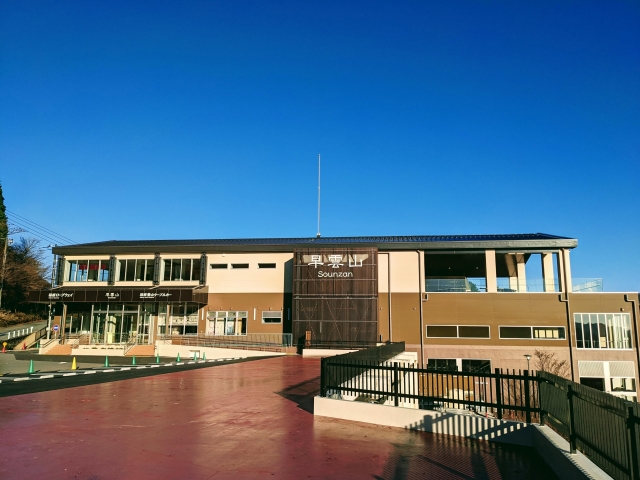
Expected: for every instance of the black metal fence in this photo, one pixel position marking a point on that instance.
(368, 376)
(604, 427)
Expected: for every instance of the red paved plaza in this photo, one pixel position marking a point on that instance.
(245, 420)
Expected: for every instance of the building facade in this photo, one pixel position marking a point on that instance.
(471, 303)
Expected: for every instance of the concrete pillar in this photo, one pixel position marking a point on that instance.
(567, 271)
(490, 262)
(522, 275)
(548, 282)
(513, 273)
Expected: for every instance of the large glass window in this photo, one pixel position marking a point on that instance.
(455, 272)
(181, 269)
(88, 270)
(603, 330)
(227, 323)
(183, 319)
(136, 270)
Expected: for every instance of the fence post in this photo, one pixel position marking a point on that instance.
(323, 389)
(572, 428)
(631, 444)
(498, 394)
(527, 400)
(395, 382)
(540, 380)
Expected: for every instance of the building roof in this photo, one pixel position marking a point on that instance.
(410, 242)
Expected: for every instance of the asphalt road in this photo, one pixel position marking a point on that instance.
(63, 377)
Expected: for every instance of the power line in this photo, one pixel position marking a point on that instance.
(35, 232)
(41, 227)
(38, 235)
(45, 231)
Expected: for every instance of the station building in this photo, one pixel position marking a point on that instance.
(471, 303)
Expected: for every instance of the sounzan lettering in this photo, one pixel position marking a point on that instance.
(322, 274)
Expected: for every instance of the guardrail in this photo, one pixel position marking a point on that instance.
(604, 427)
(19, 333)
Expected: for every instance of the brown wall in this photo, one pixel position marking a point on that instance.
(405, 317)
(249, 301)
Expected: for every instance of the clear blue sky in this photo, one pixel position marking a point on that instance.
(134, 120)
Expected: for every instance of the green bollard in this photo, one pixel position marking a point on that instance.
(31, 370)
(157, 358)
(204, 356)
(133, 360)
(195, 356)
(106, 361)
(178, 357)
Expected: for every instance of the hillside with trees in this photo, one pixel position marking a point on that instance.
(25, 269)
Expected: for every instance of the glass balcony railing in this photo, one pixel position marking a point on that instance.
(456, 285)
(587, 285)
(462, 285)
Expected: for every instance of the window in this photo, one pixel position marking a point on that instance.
(476, 366)
(458, 331)
(183, 319)
(239, 265)
(272, 317)
(217, 266)
(136, 270)
(88, 271)
(544, 333)
(266, 265)
(181, 269)
(623, 384)
(603, 330)
(227, 323)
(447, 364)
(595, 383)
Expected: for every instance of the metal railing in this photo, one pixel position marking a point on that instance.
(263, 341)
(336, 344)
(501, 394)
(604, 427)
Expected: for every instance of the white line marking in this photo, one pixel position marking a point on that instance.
(46, 376)
(89, 372)
(68, 374)
(155, 366)
(180, 363)
(125, 368)
(110, 370)
(20, 379)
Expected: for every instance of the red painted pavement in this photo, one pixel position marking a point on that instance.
(246, 420)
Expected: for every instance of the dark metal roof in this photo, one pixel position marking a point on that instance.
(409, 242)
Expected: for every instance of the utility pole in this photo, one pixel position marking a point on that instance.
(53, 277)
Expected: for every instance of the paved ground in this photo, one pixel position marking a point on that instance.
(243, 420)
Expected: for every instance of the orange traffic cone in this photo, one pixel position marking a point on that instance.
(24, 346)
(4, 347)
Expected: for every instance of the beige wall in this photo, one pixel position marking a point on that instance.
(404, 272)
(248, 302)
(252, 279)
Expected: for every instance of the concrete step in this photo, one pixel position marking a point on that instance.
(142, 351)
(60, 350)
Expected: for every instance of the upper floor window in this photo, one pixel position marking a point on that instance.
(181, 269)
(272, 317)
(88, 271)
(136, 270)
(603, 330)
(266, 265)
(458, 331)
(521, 332)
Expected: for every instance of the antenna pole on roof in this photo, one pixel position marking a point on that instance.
(318, 234)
